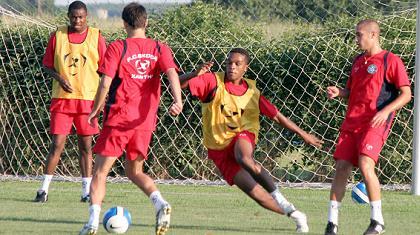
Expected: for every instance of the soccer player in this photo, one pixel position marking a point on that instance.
(131, 80)
(378, 86)
(231, 106)
(72, 58)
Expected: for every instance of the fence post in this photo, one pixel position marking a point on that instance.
(415, 187)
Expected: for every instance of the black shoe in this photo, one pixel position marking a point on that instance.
(374, 228)
(41, 196)
(331, 229)
(85, 198)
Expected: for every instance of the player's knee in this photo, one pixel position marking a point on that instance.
(134, 173)
(250, 166)
(55, 152)
(256, 168)
(100, 174)
(130, 175)
(367, 167)
(56, 147)
(343, 166)
(85, 150)
(259, 197)
(367, 170)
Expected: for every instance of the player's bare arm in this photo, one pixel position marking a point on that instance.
(176, 107)
(64, 83)
(333, 91)
(404, 97)
(202, 69)
(289, 124)
(100, 97)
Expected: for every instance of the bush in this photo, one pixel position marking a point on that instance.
(292, 72)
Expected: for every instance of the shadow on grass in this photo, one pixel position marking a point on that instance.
(31, 219)
(173, 227)
(5, 199)
(232, 229)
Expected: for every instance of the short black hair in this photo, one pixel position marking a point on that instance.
(135, 15)
(76, 5)
(242, 52)
(370, 22)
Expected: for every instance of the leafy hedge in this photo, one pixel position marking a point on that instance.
(292, 73)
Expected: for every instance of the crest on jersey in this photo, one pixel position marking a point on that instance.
(142, 66)
(372, 69)
(369, 147)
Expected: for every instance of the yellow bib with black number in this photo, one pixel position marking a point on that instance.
(78, 63)
(227, 115)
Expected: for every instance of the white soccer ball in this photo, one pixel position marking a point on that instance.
(117, 220)
(359, 193)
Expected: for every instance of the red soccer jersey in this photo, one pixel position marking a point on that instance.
(71, 105)
(134, 95)
(369, 92)
(202, 86)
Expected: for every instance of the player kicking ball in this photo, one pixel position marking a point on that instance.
(131, 80)
(231, 106)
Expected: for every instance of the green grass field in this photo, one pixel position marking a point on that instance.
(196, 210)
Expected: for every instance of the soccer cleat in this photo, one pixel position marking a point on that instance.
(88, 230)
(300, 220)
(374, 228)
(85, 198)
(41, 196)
(331, 229)
(163, 218)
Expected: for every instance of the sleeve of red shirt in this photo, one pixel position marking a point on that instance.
(202, 85)
(48, 59)
(166, 59)
(267, 108)
(396, 72)
(101, 49)
(112, 59)
(348, 83)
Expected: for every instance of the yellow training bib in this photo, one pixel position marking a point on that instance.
(78, 63)
(227, 115)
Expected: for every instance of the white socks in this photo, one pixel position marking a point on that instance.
(333, 212)
(94, 211)
(286, 206)
(157, 200)
(376, 211)
(86, 186)
(46, 183)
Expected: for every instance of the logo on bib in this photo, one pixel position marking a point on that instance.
(72, 62)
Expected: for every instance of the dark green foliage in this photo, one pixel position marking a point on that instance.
(293, 73)
(311, 10)
(24, 92)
